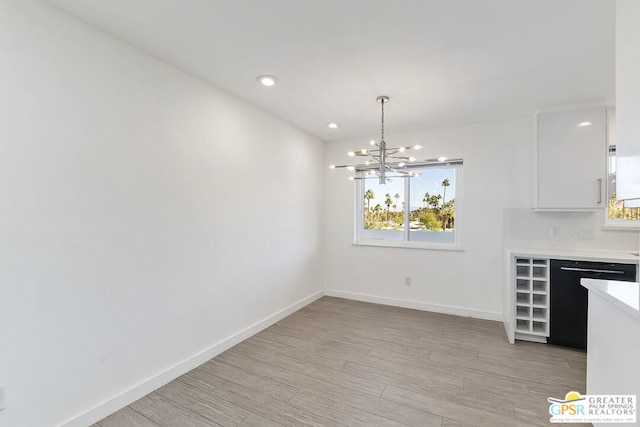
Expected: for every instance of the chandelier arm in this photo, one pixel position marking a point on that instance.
(384, 162)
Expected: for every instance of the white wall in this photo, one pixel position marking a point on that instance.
(145, 218)
(497, 200)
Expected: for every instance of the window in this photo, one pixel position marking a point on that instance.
(618, 213)
(422, 211)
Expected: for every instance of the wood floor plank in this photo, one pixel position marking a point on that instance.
(247, 379)
(369, 338)
(283, 329)
(343, 379)
(301, 354)
(264, 369)
(169, 414)
(269, 408)
(145, 401)
(337, 362)
(409, 382)
(363, 401)
(129, 418)
(425, 372)
(340, 413)
(254, 420)
(448, 408)
(318, 344)
(557, 388)
(202, 380)
(201, 402)
(285, 362)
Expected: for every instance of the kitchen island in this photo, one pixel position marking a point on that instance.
(613, 344)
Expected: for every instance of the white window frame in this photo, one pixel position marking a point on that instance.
(615, 224)
(405, 243)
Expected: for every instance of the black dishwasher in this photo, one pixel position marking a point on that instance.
(569, 299)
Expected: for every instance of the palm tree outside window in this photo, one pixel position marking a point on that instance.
(424, 211)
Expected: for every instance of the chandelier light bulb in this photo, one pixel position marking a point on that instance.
(382, 162)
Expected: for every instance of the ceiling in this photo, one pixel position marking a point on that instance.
(442, 62)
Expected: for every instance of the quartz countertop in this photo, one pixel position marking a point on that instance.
(623, 295)
(625, 257)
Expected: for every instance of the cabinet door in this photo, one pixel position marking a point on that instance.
(628, 99)
(572, 159)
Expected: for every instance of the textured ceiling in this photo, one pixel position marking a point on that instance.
(442, 62)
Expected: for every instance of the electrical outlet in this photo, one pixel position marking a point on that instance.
(407, 280)
(3, 399)
(586, 233)
(555, 232)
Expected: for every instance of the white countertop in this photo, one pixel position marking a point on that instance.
(577, 254)
(623, 295)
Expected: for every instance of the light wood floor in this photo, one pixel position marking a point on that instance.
(344, 363)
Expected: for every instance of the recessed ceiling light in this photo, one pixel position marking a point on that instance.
(267, 80)
(583, 124)
(442, 158)
(333, 125)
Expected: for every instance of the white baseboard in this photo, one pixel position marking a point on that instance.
(527, 337)
(134, 393)
(131, 395)
(436, 308)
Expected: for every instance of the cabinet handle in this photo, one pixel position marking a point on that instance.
(599, 191)
(591, 270)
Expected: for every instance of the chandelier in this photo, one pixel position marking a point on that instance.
(382, 162)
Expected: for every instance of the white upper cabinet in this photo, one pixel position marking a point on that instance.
(628, 99)
(572, 148)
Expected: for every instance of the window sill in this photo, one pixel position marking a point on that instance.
(625, 226)
(410, 245)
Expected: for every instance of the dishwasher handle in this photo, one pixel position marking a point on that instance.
(591, 270)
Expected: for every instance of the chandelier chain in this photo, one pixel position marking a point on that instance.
(384, 163)
(382, 123)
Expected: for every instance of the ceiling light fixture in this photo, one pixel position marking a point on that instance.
(382, 162)
(267, 80)
(584, 124)
(333, 125)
